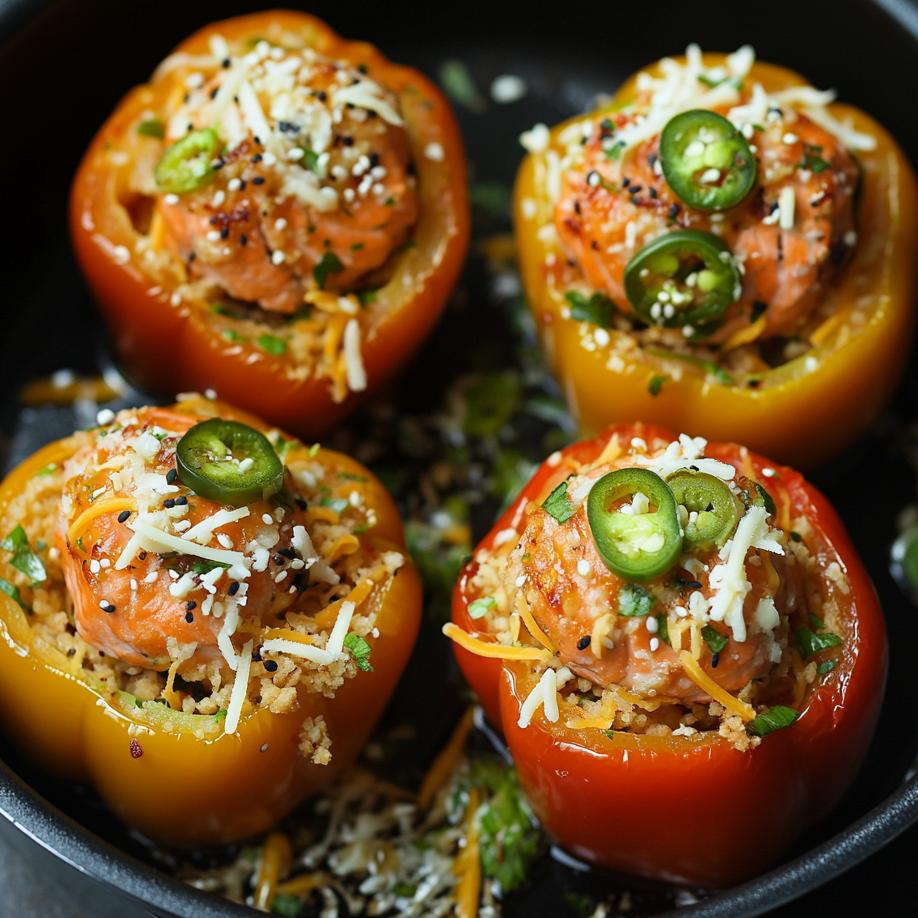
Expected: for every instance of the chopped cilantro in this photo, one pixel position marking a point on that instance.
(232, 335)
(826, 666)
(455, 78)
(49, 469)
(558, 504)
(287, 905)
(655, 386)
(328, 264)
(360, 650)
(634, 601)
(663, 627)
(714, 639)
(509, 837)
(310, 160)
(24, 559)
(12, 591)
(152, 127)
(272, 344)
(479, 608)
(491, 400)
(810, 642)
(776, 718)
(598, 309)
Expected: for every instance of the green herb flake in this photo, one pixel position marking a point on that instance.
(826, 666)
(615, 151)
(714, 639)
(24, 559)
(597, 310)
(491, 199)
(456, 79)
(289, 906)
(810, 643)
(776, 718)
(272, 344)
(509, 837)
(634, 601)
(49, 469)
(310, 159)
(232, 335)
(479, 608)
(796, 536)
(151, 127)
(360, 650)
(328, 264)
(558, 504)
(12, 591)
(663, 627)
(655, 386)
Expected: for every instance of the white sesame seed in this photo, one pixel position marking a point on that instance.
(790, 137)
(121, 254)
(267, 519)
(295, 153)
(654, 644)
(171, 198)
(105, 416)
(234, 184)
(278, 257)
(651, 624)
(434, 152)
(584, 567)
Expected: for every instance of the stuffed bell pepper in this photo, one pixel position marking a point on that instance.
(199, 617)
(279, 215)
(683, 650)
(725, 249)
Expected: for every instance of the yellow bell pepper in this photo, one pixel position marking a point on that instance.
(178, 777)
(803, 411)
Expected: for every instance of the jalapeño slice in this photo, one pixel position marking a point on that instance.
(687, 277)
(186, 165)
(713, 509)
(228, 462)
(636, 546)
(706, 160)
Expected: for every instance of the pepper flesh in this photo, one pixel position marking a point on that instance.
(802, 412)
(168, 349)
(682, 806)
(228, 786)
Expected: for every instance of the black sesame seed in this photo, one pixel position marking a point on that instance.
(271, 666)
(301, 503)
(584, 642)
(673, 211)
(181, 501)
(362, 68)
(286, 552)
(279, 559)
(224, 233)
(652, 192)
(191, 604)
(715, 659)
(347, 140)
(321, 95)
(189, 617)
(256, 158)
(142, 556)
(107, 607)
(233, 588)
(243, 239)
(169, 503)
(625, 181)
(171, 475)
(225, 63)
(258, 180)
(123, 515)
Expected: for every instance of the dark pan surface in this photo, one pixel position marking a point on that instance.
(65, 85)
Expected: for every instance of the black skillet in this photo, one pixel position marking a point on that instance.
(64, 65)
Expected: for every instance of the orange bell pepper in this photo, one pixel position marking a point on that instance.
(170, 348)
(178, 777)
(802, 412)
(676, 807)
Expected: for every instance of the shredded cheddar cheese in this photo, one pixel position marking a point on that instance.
(532, 626)
(468, 864)
(708, 685)
(447, 760)
(113, 505)
(745, 335)
(491, 648)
